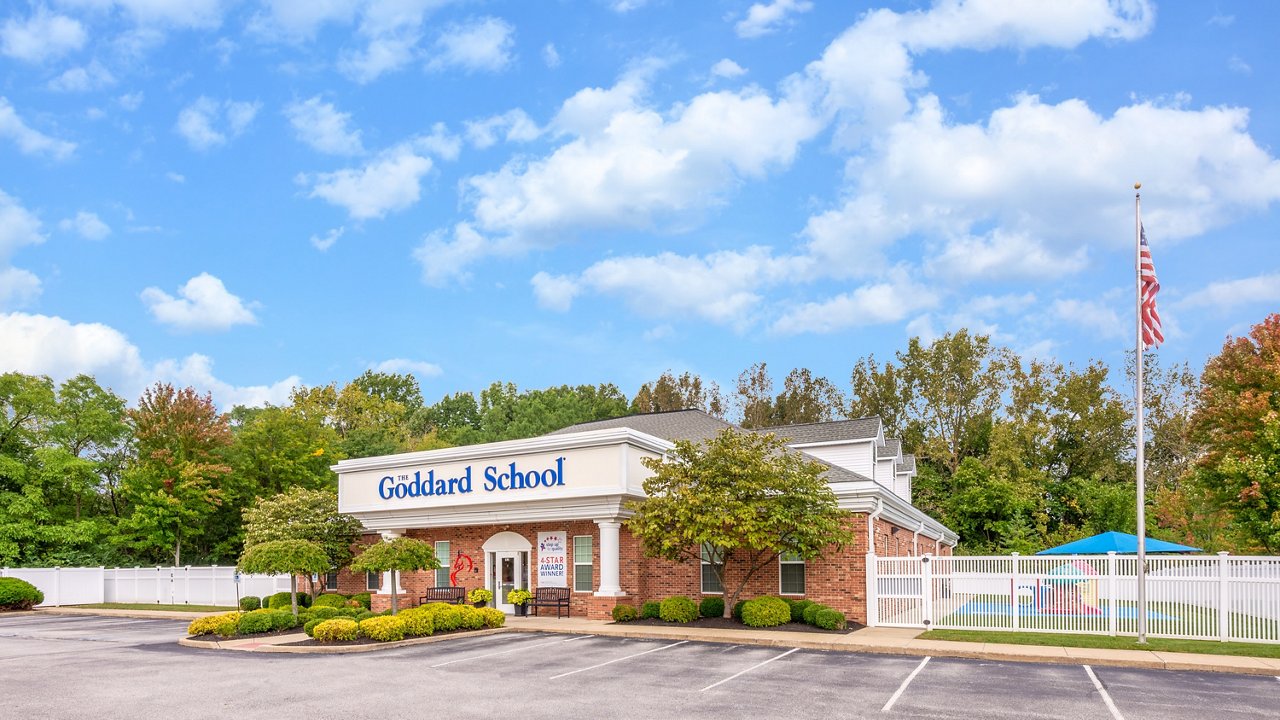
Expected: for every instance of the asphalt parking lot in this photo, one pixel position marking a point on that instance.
(73, 667)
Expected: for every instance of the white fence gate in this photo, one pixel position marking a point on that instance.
(187, 585)
(1202, 597)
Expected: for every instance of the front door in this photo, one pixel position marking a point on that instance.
(509, 572)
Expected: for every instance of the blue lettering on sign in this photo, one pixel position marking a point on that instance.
(496, 479)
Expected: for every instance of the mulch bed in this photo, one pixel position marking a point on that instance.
(215, 638)
(720, 623)
(364, 641)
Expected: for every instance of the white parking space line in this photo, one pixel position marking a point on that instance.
(627, 657)
(753, 667)
(903, 687)
(1115, 711)
(578, 637)
(522, 646)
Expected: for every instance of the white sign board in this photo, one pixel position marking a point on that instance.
(551, 559)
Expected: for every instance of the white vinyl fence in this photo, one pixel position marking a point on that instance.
(160, 585)
(1201, 597)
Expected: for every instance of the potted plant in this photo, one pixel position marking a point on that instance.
(480, 597)
(520, 597)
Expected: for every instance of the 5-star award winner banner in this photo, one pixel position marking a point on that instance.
(551, 559)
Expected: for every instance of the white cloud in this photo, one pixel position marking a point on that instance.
(550, 55)
(1237, 65)
(196, 370)
(204, 305)
(30, 142)
(18, 288)
(763, 19)
(554, 292)
(93, 76)
(1226, 294)
(40, 37)
(323, 243)
(174, 177)
(482, 44)
(18, 227)
(205, 14)
(876, 304)
(626, 6)
(382, 55)
(87, 225)
(402, 365)
(1099, 319)
(388, 183)
(323, 127)
(512, 126)
(131, 101)
(207, 123)
(443, 260)
(1002, 256)
(726, 68)
(440, 142)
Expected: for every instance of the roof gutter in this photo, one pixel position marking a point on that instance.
(871, 526)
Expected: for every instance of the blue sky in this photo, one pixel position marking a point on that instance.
(248, 195)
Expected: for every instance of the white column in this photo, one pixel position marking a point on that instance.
(386, 576)
(610, 582)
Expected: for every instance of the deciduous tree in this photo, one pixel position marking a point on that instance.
(397, 555)
(295, 557)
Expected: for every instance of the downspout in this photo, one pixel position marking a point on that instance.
(915, 540)
(871, 526)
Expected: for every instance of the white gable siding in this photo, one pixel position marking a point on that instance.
(884, 471)
(854, 456)
(902, 485)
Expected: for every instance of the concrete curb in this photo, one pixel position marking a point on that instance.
(136, 614)
(247, 645)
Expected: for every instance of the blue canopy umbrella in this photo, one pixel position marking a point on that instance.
(1122, 543)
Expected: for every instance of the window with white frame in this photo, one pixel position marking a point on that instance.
(710, 559)
(442, 554)
(331, 581)
(583, 580)
(790, 574)
(372, 581)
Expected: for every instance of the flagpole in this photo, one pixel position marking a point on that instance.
(1142, 489)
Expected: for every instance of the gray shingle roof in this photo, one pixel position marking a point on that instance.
(672, 426)
(908, 464)
(892, 446)
(856, 429)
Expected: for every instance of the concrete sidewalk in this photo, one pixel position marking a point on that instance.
(139, 614)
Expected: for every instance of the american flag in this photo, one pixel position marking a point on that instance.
(1151, 334)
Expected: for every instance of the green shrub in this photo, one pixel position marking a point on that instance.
(349, 612)
(336, 629)
(258, 621)
(250, 602)
(383, 628)
(624, 613)
(447, 617)
(711, 607)
(310, 627)
(812, 611)
(418, 622)
(283, 620)
(798, 608)
(829, 619)
(332, 600)
(361, 617)
(737, 610)
(493, 617)
(214, 625)
(651, 609)
(281, 601)
(18, 594)
(324, 612)
(678, 609)
(363, 598)
(766, 612)
(471, 617)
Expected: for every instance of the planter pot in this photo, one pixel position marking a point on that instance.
(480, 603)
(522, 610)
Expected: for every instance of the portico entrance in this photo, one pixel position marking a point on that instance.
(506, 567)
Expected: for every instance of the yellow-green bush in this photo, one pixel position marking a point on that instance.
(472, 618)
(418, 622)
(493, 617)
(383, 628)
(337, 629)
(447, 617)
(766, 612)
(223, 625)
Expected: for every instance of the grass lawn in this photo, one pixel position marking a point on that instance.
(156, 606)
(1207, 647)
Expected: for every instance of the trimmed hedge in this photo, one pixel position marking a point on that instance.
(383, 629)
(418, 622)
(323, 612)
(811, 612)
(651, 610)
(493, 617)
(797, 609)
(678, 609)
(336, 629)
(363, 599)
(281, 600)
(283, 620)
(737, 610)
(258, 621)
(829, 619)
(365, 616)
(766, 612)
(447, 617)
(310, 627)
(332, 600)
(711, 607)
(249, 602)
(16, 594)
(350, 612)
(223, 625)
(624, 613)
(472, 619)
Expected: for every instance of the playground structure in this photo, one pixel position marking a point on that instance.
(1068, 589)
